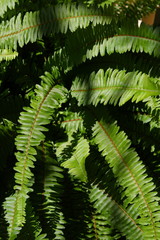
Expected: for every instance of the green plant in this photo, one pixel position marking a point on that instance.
(79, 120)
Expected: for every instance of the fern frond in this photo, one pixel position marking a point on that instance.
(101, 40)
(49, 190)
(130, 173)
(143, 39)
(30, 135)
(61, 18)
(81, 45)
(76, 164)
(118, 216)
(7, 55)
(5, 4)
(113, 86)
(153, 106)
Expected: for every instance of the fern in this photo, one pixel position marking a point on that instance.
(32, 227)
(72, 122)
(130, 173)
(113, 86)
(120, 218)
(30, 135)
(102, 40)
(79, 146)
(52, 20)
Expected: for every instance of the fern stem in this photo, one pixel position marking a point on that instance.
(95, 227)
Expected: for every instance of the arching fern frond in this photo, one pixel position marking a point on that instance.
(113, 86)
(101, 40)
(139, 190)
(51, 20)
(49, 96)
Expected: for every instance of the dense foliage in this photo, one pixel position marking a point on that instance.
(79, 132)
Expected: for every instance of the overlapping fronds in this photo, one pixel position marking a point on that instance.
(77, 175)
(130, 172)
(135, 39)
(51, 20)
(113, 86)
(5, 4)
(48, 97)
(7, 54)
(102, 40)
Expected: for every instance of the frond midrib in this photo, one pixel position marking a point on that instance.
(115, 87)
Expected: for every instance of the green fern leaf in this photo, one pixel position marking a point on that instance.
(113, 86)
(118, 216)
(32, 227)
(135, 39)
(76, 163)
(61, 18)
(101, 40)
(130, 173)
(30, 135)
